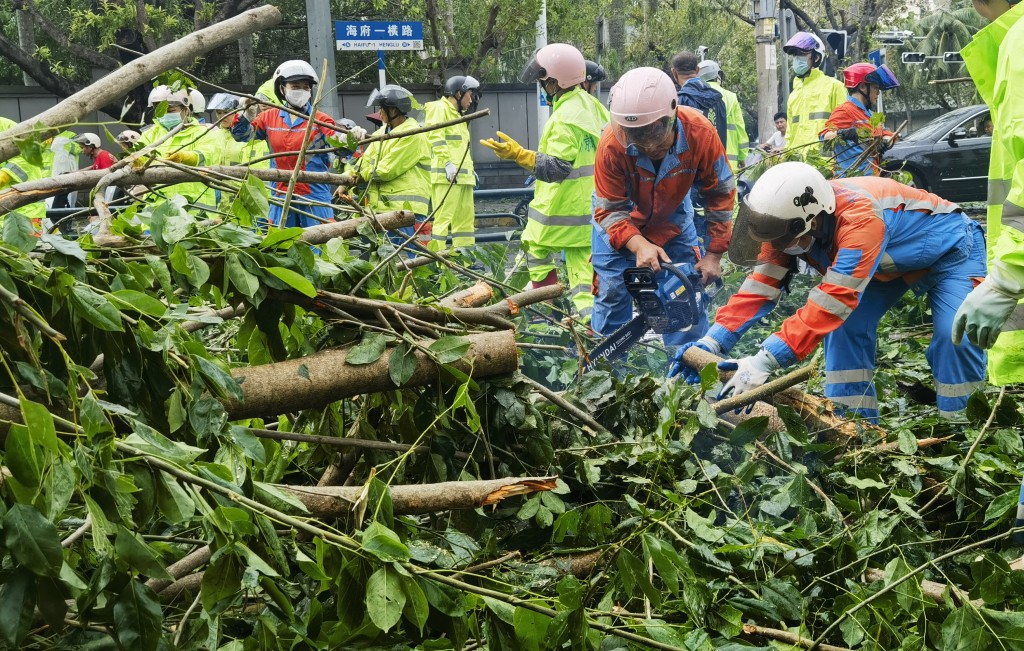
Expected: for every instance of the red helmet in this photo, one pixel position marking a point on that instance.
(866, 73)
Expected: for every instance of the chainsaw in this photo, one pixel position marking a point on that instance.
(663, 310)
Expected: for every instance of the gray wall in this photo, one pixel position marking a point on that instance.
(513, 111)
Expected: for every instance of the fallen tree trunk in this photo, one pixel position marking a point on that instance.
(28, 192)
(336, 501)
(320, 379)
(389, 221)
(182, 52)
(479, 294)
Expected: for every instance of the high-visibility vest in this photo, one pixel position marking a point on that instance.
(398, 170)
(450, 144)
(737, 142)
(194, 137)
(994, 60)
(811, 102)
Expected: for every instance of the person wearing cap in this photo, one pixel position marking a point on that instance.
(284, 131)
(814, 96)
(737, 142)
(190, 144)
(396, 170)
(452, 176)
(595, 75)
(223, 107)
(101, 158)
(852, 118)
(992, 316)
(558, 221)
(872, 239)
(648, 158)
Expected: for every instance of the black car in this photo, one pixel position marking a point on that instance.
(949, 155)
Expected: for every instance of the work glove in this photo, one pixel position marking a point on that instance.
(5, 179)
(250, 109)
(848, 134)
(451, 172)
(678, 366)
(983, 313)
(358, 132)
(183, 157)
(751, 372)
(511, 150)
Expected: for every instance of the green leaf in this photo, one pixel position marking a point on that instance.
(24, 458)
(706, 414)
(293, 280)
(95, 309)
(450, 348)
(138, 555)
(368, 350)
(219, 381)
(416, 607)
(253, 194)
(1000, 506)
(864, 483)
(221, 582)
(277, 498)
(249, 443)
(63, 246)
(137, 301)
(748, 430)
(531, 629)
(708, 376)
(33, 540)
(240, 277)
(19, 233)
(908, 594)
(173, 501)
(384, 543)
(17, 603)
(190, 266)
(385, 599)
(278, 236)
(138, 618)
(965, 630)
(704, 527)
(402, 364)
(149, 440)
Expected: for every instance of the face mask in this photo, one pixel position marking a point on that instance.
(800, 66)
(169, 120)
(297, 98)
(796, 249)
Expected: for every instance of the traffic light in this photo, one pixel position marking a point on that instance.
(894, 36)
(952, 57)
(915, 58)
(836, 40)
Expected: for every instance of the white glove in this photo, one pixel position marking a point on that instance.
(751, 372)
(251, 109)
(451, 172)
(358, 132)
(984, 312)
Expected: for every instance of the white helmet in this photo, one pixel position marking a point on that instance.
(163, 93)
(90, 139)
(128, 137)
(295, 70)
(196, 101)
(785, 200)
(709, 70)
(223, 102)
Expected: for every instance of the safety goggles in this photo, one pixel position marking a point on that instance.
(648, 137)
(882, 77)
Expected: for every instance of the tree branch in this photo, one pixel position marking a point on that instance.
(60, 36)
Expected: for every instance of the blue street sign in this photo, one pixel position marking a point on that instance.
(378, 35)
(875, 57)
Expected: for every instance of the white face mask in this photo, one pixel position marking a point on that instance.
(796, 249)
(297, 98)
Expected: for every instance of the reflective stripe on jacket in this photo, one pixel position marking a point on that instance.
(634, 199)
(450, 144)
(738, 142)
(881, 229)
(397, 170)
(811, 102)
(559, 214)
(994, 60)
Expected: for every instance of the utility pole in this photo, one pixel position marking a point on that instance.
(543, 110)
(26, 38)
(787, 27)
(322, 44)
(767, 64)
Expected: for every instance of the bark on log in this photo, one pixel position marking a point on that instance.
(22, 194)
(511, 305)
(187, 565)
(389, 221)
(337, 501)
(580, 565)
(370, 306)
(931, 589)
(479, 294)
(320, 379)
(787, 637)
(188, 586)
(181, 53)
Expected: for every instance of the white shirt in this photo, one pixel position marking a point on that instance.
(777, 141)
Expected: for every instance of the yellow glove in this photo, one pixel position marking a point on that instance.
(512, 150)
(5, 179)
(182, 157)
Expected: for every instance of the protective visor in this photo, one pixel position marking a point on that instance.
(223, 102)
(882, 77)
(532, 72)
(648, 137)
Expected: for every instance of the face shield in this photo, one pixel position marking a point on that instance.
(883, 77)
(650, 138)
(532, 72)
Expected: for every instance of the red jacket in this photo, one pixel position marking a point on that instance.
(633, 200)
(104, 160)
(851, 113)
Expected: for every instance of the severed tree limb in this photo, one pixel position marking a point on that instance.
(511, 305)
(322, 378)
(413, 499)
(186, 585)
(479, 294)
(931, 589)
(345, 442)
(894, 446)
(389, 221)
(579, 565)
(583, 417)
(118, 83)
(787, 637)
(187, 565)
(369, 306)
(765, 390)
(29, 314)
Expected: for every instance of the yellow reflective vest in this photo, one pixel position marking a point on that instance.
(397, 171)
(737, 142)
(193, 137)
(811, 102)
(994, 60)
(559, 215)
(448, 144)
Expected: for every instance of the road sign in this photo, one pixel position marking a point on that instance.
(352, 35)
(875, 57)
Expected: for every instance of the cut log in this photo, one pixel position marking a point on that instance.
(479, 294)
(414, 499)
(320, 379)
(389, 221)
(181, 53)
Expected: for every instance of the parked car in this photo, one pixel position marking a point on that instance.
(949, 155)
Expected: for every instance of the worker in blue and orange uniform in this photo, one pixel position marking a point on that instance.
(872, 239)
(648, 158)
(851, 121)
(283, 130)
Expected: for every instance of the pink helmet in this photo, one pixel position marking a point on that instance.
(559, 61)
(641, 97)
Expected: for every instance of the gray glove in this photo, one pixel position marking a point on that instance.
(451, 172)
